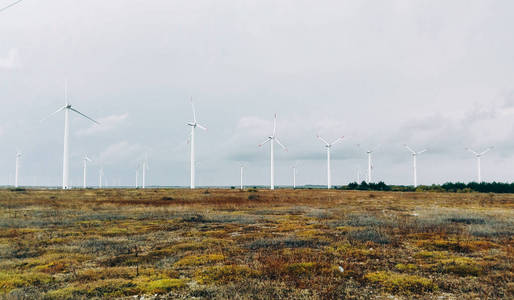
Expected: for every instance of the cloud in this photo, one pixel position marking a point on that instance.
(12, 61)
(106, 124)
(120, 152)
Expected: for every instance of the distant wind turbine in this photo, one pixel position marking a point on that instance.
(144, 169)
(294, 176)
(66, 156)
(273, 138)
(370, 163)
(414, 163)
(328, 146)
(241, 168)
(193, 125)
(86, 160)
(18, 156)
(137, 175)
(100, 177)
(478, 157)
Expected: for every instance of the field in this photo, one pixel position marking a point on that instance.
(255, 244)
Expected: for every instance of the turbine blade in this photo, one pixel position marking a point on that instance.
(472, 151)
(280, 144)
(10, 5)
(201, 127)
(50, 115)
(265, 142)
(409, 148)
(422, 151)
(323, 140)
(194, 110)
(275, 125)
(338, 140)
(486, 150)
(84, 115)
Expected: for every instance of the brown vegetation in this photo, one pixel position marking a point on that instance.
(258, 244)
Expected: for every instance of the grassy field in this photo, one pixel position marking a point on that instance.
(255, 244)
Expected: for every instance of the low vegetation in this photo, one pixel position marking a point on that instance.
(255, 244)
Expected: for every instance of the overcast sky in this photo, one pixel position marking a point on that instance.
(432, 74)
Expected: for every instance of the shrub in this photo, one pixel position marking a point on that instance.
(224, 274)
(196, 260)
(369, 235)
(288, 242)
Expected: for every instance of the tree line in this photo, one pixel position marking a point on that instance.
(451, 187)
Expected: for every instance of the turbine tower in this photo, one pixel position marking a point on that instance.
(414, 163)
(370, 165)
(273, 138)
(66, 155)
(294, 177)
(193, 125)
(241, 173)
(18, 156)
(86, 159)
(100, 177)
(478, 157)
(137, 175)
(328, 146)
(145, 168)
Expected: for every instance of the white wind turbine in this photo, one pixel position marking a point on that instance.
(294, 176)
(414, 163)
(370, 163)
(273, 138)
(478, 157)
(241, 168)
(100, 177)
(145, 168)
(193, 125)
(86, 160)
(137, 175)
(66, 155)
(18, 156)
(328, 146)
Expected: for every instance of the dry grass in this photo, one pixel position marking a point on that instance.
(298, 244)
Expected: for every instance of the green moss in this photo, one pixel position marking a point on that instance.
(401, 283)
(408, 267)
(161, 286)
(301, 269)
(462, 266)
(10, 280)
(66, 293)
(196, 260)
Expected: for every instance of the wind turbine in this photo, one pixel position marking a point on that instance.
(414, 163)
(370, 164)
(193, 125)
(18, 156)
(328, 146)
(478, 157)
(145, 168)
(294, 176)
(66, 155)
(86, 159)
(241, 167)
(273, 138)
(100, 177)
(137, 175)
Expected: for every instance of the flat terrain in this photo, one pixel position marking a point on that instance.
(298, 244)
